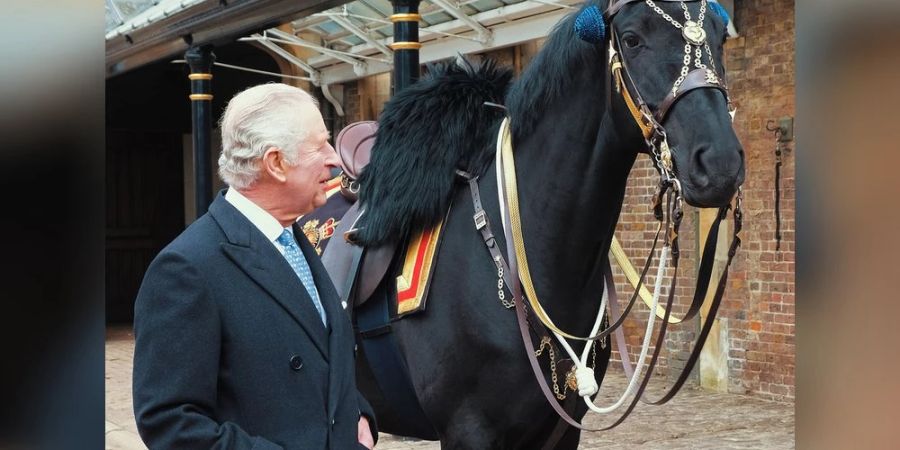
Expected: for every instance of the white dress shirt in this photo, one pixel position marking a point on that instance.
(266, 223)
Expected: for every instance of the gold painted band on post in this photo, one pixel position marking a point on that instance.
(199, 97)
(200, 76)
(406, 17)
(405, 45)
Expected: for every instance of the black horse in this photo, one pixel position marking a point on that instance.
(575, 143)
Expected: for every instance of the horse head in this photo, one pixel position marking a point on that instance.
(671, 64)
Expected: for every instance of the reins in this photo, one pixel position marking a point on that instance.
(519, 274)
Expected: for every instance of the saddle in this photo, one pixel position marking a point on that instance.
(354, 148)
(354, 145)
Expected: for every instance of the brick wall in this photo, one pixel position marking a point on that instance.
(757, 313)
(761, 302)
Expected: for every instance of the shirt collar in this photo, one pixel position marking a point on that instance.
(260, 218)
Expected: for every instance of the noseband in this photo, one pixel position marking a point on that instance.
(702, 76)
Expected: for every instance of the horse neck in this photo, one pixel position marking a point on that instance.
(572, 172)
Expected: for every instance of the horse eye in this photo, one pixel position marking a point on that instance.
(631, 41)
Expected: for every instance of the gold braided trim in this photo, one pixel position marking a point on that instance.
(405, 17)
(515, 223)
(200, 76)
(405, 45)
(200, 97)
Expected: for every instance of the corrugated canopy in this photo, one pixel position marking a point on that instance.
(351, 40)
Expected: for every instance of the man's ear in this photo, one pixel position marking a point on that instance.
(274, 164)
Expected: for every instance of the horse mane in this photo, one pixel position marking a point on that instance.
(549, 75)
(425, 133)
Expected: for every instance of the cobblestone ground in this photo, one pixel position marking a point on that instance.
(695, 419)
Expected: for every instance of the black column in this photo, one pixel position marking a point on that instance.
(201, 59)
(406, 43)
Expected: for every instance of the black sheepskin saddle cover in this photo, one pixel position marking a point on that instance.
(425, 133)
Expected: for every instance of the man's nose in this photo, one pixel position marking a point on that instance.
(332, 160)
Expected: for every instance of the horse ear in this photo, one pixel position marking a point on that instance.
(590, 26)
(719, 10)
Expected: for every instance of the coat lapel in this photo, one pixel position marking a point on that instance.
(327, 293)
(337, 323)
(249, 249)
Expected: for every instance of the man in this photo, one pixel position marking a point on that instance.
(241, 341)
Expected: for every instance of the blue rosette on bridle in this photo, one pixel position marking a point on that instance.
(590, 26)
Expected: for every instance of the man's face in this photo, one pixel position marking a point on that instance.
(316, 157)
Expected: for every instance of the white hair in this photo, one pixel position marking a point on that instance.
(255, 120)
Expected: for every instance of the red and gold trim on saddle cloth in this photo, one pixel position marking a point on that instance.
(414, 280)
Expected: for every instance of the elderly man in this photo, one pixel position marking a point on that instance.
(241, 341)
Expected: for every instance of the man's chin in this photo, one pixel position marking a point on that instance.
(320, 201)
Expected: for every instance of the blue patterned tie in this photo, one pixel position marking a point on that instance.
(301, 268)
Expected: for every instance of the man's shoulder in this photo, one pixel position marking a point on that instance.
(198, 241)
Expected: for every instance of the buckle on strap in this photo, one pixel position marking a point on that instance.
(480, 220)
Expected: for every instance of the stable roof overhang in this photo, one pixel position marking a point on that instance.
(167, 28)
(351, 40)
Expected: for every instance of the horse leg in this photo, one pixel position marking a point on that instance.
(569, 440)
(469, 430)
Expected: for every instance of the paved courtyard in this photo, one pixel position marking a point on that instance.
(695, 419)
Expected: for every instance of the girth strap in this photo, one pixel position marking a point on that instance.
(382, 351)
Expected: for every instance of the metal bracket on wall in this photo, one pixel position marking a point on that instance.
(784, 130)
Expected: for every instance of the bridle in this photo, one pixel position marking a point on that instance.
(701, 76)
(650, 122)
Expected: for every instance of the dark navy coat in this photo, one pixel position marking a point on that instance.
(230, 352)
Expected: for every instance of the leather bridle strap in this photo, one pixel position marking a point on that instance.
(617, 67)
(701, 340)
(704, 273)
(710, 316)
(695, 79)
(656, 351)
(615, 314)
(483, 225)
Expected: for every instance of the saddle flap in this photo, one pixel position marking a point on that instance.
(338, 261)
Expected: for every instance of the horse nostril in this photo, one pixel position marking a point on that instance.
(715, 169)
(699, 172)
